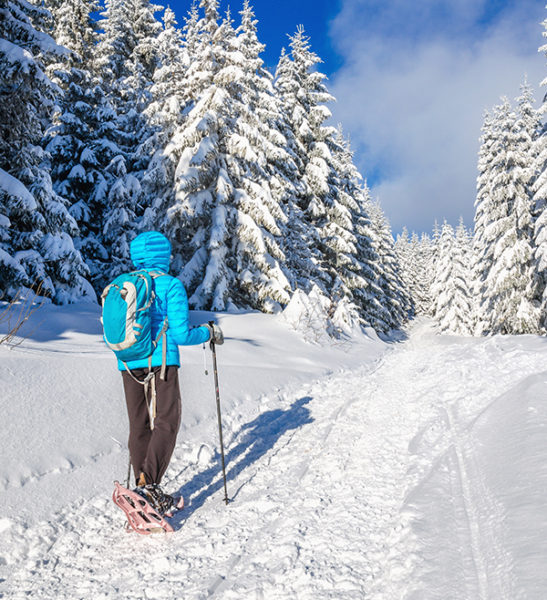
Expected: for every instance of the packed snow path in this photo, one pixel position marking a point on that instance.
(370, 484)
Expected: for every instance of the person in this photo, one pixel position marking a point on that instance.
(152, 439)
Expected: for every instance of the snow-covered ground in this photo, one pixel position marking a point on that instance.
(414, 469)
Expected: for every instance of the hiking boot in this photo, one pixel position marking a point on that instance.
(156, 497)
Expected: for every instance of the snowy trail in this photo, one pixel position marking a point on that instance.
(361, 485)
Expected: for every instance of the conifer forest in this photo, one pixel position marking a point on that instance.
(116, 119)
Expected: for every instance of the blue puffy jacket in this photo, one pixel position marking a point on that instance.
(152, 251)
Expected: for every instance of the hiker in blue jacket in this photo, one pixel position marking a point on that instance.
(152, 439)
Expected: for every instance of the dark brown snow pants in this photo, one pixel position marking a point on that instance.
(151, 450)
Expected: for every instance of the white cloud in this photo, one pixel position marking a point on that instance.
(413, 104)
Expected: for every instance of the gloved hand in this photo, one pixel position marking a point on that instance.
(215, 333)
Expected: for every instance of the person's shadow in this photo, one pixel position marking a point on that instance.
(254, 439)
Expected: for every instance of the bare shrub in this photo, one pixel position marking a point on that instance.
(17, 311)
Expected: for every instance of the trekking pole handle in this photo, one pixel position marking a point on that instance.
(211, 343)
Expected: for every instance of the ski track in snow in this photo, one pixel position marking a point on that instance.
(342, 490)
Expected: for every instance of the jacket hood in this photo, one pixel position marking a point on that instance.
(151, 250)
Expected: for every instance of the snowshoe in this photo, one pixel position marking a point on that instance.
(141, 516)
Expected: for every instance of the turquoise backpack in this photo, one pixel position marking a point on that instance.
(126, 318)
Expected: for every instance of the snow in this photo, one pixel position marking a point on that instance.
(365, 469)
(16, 56)
(11, 186)
(77, 172)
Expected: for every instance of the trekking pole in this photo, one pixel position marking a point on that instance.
(128, 473)
(215, 370)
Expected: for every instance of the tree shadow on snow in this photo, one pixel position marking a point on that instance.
(254, 440)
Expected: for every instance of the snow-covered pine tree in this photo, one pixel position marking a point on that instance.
(395, 298)
(483, 237)
(373, 304)
(166, 115)
(116, 42)
(27, 94)
(16, 205)
(301, 239)
(450, 290)
(73, 28)
(425, 252)
(405, 251)
(462, 275)
(143, 60)
(303, 97)
(325, 206)
(267, 115)
(417, 268)
(444, 310)
(342, 261)
(507, 287)
(127, 59)
(359, 270)
(226, 221)
(36, 245)
(196, 48)
(80, 152)
(436, 236)
(260, 163)
(199, 220)
(528, 129)
(539, 202)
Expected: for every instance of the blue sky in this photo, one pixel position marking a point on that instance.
(412, 81)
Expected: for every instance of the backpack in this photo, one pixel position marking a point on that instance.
(126, 318)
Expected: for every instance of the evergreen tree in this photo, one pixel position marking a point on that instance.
(77, 140)
(127, 59)
(166, 115)
(300, 239)
(36, 230)
(144, 59)
(358, 259)
(326, 201)
(507, 286)
(303, 95)
(463, 279)
(226, 220)
(416, 257)
(256, 151)
(395, 297)
(450, 288)
(373, 303)
(425, 254)
(539, 202)
(344, 265)
(484, 238)
(406, 255)
(443, 288)
(199, 220)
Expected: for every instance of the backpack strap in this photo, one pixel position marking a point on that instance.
(149, 383)
(161, 334)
